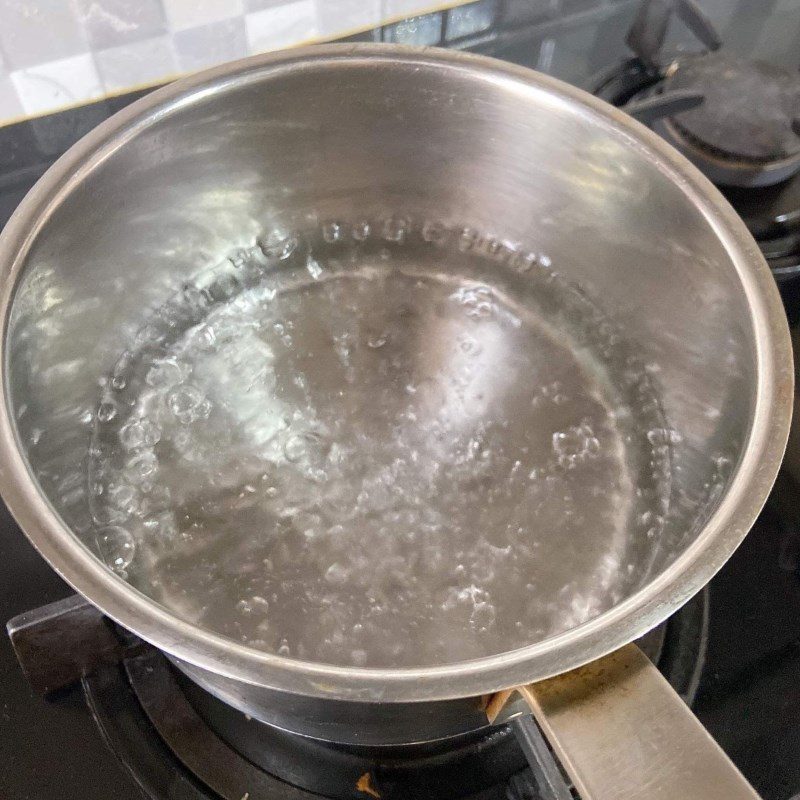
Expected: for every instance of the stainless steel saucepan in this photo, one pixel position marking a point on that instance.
(548, 176)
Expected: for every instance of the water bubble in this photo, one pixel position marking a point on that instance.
(269, 292)
(295, 448)
(523, 262)
(575, 444)
(243, 607)
(377, 340)
(207, 337)
(122, 365)
(278, 246)
(395, 229)
(361, 231)
(124, 497)
(162, 525)
(284, 649)
(314, 267)
(434, 232)
(139, 433)
(239, 259)
(468, 238)
(107, 515)
(477, 300)
(116, 546)
(722, 467)
(142, 465)
(188, 403)
(663, 436)
(106, 411)
(332, 232)
(468, 345)
(483, 615)
(148, 335)
(163, 373)
(337, 575)
(496, 249)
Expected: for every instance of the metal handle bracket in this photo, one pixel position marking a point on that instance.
(622, 733)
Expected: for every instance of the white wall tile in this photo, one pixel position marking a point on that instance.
(402, 8)
(37, 31)
(337, 17)
(111, 23)
(58, 52)
(137, 64)
(208, 45)
(280, 26)
(10, 105)
(57, 83)
(257, 5)
(184, 14)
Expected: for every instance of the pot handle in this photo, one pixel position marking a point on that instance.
(622, 733)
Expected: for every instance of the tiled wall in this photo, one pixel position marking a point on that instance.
(55, 53)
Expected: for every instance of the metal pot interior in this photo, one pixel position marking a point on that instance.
(465, 174)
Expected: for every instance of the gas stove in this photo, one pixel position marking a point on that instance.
(735, 118)
(99, 713)
(165, 729)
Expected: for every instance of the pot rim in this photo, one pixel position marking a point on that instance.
(619, 625)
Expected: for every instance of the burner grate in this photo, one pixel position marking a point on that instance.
(177, 741)
(756, 166)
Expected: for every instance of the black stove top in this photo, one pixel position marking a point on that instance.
(136, 729)
(133, 729)
(737, 118)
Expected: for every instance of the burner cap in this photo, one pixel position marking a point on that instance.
(748, 111)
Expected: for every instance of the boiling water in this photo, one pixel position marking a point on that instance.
(393, 449)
